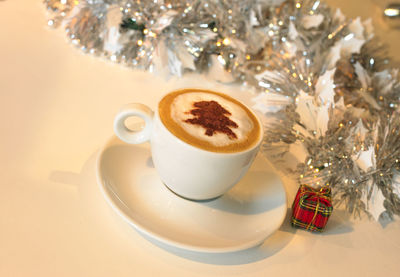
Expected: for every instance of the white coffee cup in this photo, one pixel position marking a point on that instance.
(187, 170)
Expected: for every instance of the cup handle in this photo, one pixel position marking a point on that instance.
(131, 110)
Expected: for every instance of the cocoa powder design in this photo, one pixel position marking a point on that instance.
(213, 117)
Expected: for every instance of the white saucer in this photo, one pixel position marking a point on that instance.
(242, 218)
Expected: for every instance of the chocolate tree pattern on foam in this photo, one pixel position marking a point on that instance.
(212, 116)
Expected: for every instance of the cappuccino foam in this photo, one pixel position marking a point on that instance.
(209, 120)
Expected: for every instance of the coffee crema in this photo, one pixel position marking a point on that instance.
(209, 120)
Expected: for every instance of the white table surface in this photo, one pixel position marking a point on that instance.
(56, 111)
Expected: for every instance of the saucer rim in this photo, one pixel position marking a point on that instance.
(144, 230)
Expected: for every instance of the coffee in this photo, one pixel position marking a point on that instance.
(186, 123)
(209, 120)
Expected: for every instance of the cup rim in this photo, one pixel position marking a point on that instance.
(254, 146)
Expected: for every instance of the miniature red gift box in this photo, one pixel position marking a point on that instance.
(312, 208)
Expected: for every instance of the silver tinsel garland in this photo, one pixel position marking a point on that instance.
(323, 81)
